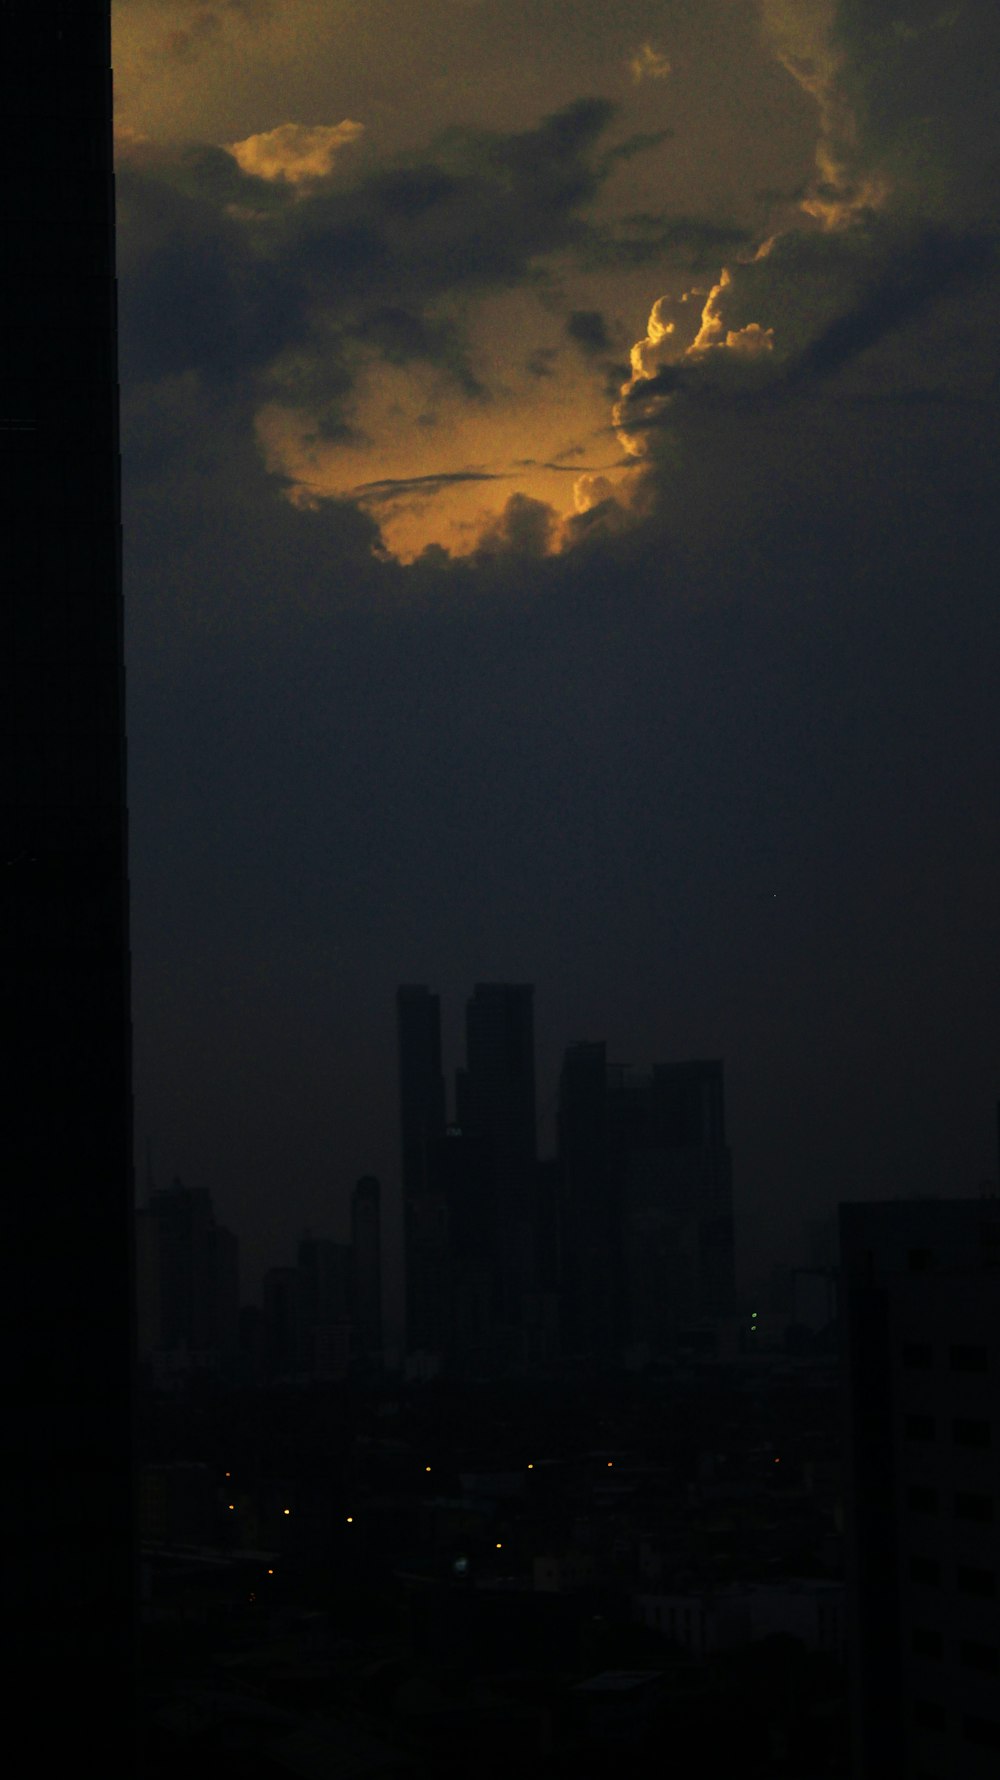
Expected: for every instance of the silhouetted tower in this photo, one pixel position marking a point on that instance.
(366, 1265)
(191, 1276)
(668, 1150)
(422, 1124)
(591, 1232)
(66, 1239)
(495, 1098)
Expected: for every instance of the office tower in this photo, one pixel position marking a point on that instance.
(283, 1339)
(325, 1308)
(188, 1280)
(495, 1099)
(674, 1186)
(647, 1236)
(592, 1282)
(422, 1124)
(67, 1208)
(920, 1303)
(366, 1272)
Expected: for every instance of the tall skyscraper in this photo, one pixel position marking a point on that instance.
(422, 1125)
(495, 1100)
(366, 1272)
(920, 1304)
(592, 1280)
(188, 1280)
(646, 1178)
(66, 1296)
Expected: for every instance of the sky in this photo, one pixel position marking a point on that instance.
(560, 500)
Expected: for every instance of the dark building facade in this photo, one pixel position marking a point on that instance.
(421, 1126)
(67, 1212)
(495, 1109)
(188, 1280)
(647, 1212)
(920, 1306)
(366, 1272)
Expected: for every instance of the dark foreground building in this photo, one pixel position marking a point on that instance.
(921, 1324)
(66, 1235)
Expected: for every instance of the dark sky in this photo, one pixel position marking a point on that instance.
(559, 450)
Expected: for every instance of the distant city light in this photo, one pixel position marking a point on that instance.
(270, 1572)
(350, 1519)
(286, 1511)
(530, 1466)
(426, 1467)
(232, 1507)
(777, 1461)
(499, 1546)
(611, 1464)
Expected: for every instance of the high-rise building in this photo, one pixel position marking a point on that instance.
(422, 1125)
(495, 1108)
(326, 1307)
(646, 1178)
(592, 1280)
(188, 1280)
(366, 1272)
(66, 1296)
(920, 1305)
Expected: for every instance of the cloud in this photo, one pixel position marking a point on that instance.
(588, 329)
(389, 488)
(206, 22)
(525, 529)
(297, 154)
(648, 64)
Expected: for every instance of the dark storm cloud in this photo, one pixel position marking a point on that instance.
(691, 242)
(389, 487)
(920, 271)
(196, 25)
(588, 329)
(233, 274)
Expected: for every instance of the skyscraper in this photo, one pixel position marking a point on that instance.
(67, 1209)
(495, 1100)
(421, 1126)
(920, 1298)
(646, 1179)
(366, 1272)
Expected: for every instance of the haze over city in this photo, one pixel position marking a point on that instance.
(559, 498)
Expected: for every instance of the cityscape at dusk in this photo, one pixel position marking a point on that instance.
(560, 541)
(500, 917)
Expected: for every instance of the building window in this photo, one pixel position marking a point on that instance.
(918, 1356)
(968, 1358)
(968, 1432)
(926, 1571)
(984, 1657)
(918, 1427)
(969, 1506)
(921, 1499)
(930, 1715)
(927, 1641)
(983, 1731)
(970, 1581)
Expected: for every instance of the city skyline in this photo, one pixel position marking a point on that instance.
(560, 515)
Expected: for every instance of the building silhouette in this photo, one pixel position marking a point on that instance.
(366, 1273)
(647, 1216)
(920, 1296)
(66, 1296)
(422, 1125)
(495, 1109)
(188, 1282)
